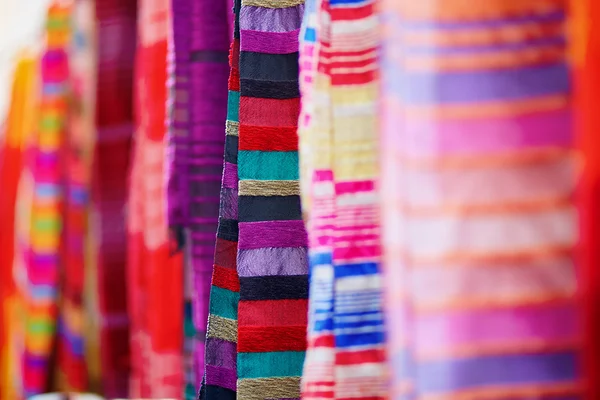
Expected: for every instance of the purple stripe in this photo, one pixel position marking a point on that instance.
(221, 377)
(270, 42)
(271, 19)
(430, 137)
(221, 353)
(255, 235)
(230, 176)
(272, 261)
(466, 87)
(510, 325)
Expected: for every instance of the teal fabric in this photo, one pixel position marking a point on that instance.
(269, 365)
(223, 302)
(268, 165)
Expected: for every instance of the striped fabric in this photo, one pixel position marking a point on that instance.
(155, 275)
(477, 182)
(72, 365)
(20, 125)
(220, 372)
(339, 139)
(271, 262)
(116, 22)
(43, 258)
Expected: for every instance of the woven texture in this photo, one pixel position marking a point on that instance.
(116, 21)
(271, 261)
(14, 202)
(220, 371)
(339, 140)
(478, 178)
(154, 272)
(72, 365)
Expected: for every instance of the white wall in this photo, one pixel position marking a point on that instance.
(21, 25)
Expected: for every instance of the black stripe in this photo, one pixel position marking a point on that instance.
(210, 392)
(228, 229)
(274, 287)
(216, 56)
(231, 149)
(269, 89)
(269, 67)
(269, 208)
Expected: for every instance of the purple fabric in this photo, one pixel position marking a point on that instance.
(272, 262)
(270, 42)
(256, 235)
(226, 359)
(270, 19)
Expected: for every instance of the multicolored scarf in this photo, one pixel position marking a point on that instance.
(339, 140)
(20, 126)
(155, 275)
(116, 22)
(477, 188)
(272, 260)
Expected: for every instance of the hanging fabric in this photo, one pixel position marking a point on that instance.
(477, 184)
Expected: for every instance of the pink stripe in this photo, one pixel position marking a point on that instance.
(355, 252)
(437, 332)
(270, 42)
(323, 175)
(256, 235)
(354, 187)
(428, 137)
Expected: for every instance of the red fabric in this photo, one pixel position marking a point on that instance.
(267, 138)
(261, 339)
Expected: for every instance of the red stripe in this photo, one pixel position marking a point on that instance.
(351, 13)
(269, 112)
(273, 312)
(353, 79)
(268, 138)
(226, 253)
(359, 357)
(226, 278)
(234, 80)
(268, 338)
(323, 341)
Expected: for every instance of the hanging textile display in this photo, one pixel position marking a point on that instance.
(477, 186)
(20, 126)
(155, 274)
(72, 363)
(198, 102)
(272, 260)
(116, 22)
(220, 372)
(339, 140)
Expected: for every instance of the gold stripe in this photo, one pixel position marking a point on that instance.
(272, 3)
(222, 328)
(232, 128)
(269, 188)
(269, 388)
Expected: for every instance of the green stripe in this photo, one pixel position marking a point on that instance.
(37, 327)
(265, 365)
(268, 165)
(233, 106)
(223, 302)
(51, 123)
(47, 224)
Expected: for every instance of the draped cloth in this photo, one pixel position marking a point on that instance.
(477, 185)
(72, 363)
(271, 260)
(19, 129)
(116, 22)
(200, 36)
(339, 146)
(155, 275)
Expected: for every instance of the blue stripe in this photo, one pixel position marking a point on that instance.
(359, 339)
(349, 270)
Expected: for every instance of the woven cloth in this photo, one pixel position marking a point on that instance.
(116, 22)
(199, 68)
(339, 141)
(220, 371)
(20, 125)
(477, 185)
(272, 261)
(154, 272)
(72, 365)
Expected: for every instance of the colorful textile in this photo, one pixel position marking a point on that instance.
(116, 22)
(155, 275)
(220, 370)
(21, 119)
(271, 261)
(346, 357)
(42, 250)
(200, 41)
(72, 372)
(477, 185)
